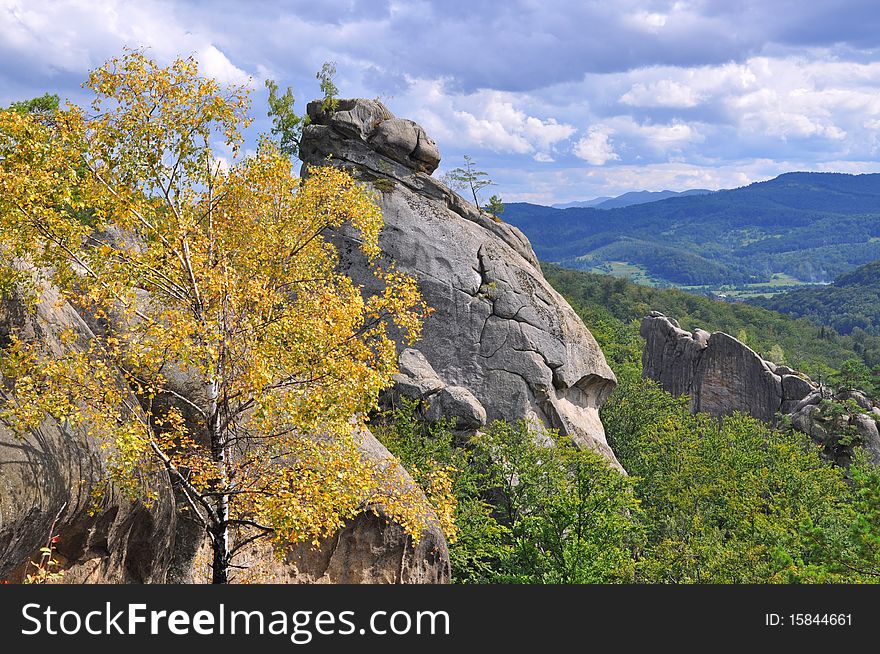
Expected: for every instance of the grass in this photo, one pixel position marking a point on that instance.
(631, 271)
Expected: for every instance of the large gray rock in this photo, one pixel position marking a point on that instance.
(416, 379)
(721, 375)
(498, 329)
(459, 405)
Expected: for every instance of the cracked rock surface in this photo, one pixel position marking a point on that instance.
(500, 338)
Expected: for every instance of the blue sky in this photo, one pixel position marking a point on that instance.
(557, 100)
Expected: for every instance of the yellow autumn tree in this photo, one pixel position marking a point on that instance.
(215, 271)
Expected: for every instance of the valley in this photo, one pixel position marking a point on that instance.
(799, 229)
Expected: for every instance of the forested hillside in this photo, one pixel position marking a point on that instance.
(783, 339)
(851, 305)
(809, 226)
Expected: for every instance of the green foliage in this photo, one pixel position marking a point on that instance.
(495, 207)
(854, 375)
(527, 511)
(851, 305)
(568, 516)
(806, 346)
(328, 87)
(421, 447)
(727, 501)
(861, 552)
(287, 125)
(43, 108)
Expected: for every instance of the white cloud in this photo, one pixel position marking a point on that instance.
(485, 119)
(662, 93)
(74, 36)
(646, 21)
(595, 148)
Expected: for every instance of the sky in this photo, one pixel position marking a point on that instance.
(557, 100)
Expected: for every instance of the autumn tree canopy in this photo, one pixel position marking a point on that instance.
(212, 266)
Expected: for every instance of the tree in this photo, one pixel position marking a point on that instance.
(495, 207)
(469, 178)
(854, 375)
(42, 107)
(328, 87)
(220, 275)
(287, 125)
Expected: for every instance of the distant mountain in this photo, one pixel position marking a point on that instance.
(643, 197)
(810, 226)
(852, 301)
(583, 203)
(629, 199)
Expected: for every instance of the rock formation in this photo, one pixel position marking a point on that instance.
(52, 475)
(721, 376)
(501, 343)
(718, 373)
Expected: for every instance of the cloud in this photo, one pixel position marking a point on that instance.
(595, 148)
(673, 88)
(663, 93)
(486, 119)
(69, 37)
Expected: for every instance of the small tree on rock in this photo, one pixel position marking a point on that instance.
(469, 179)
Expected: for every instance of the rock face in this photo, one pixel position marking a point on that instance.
(501, 343)
(721, 375)
(718, 373)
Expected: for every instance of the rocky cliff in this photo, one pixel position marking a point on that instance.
(501, 343)
(721, 376)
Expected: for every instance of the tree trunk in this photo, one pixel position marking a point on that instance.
(220, 565)
(220, 531)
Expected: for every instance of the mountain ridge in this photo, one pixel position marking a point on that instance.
(631, 198)
(809, 226)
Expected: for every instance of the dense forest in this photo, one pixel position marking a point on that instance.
(799, 343)
(851, 305)
(705, 501)
(811, 226)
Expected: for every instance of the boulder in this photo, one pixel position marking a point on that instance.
(416, 379)
(457, 404)
(498, 329)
